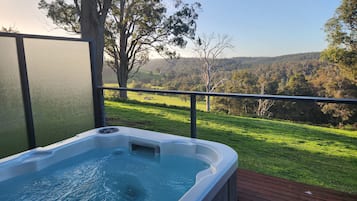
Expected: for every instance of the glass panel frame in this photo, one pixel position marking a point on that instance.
(86, 114)
(13, 130)
(60, 80)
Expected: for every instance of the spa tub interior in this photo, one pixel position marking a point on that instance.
(121, 163)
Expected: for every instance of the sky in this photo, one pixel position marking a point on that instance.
(257, 27)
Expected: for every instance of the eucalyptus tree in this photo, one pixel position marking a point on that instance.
(129, 30)
(341, 32)
(136, 28)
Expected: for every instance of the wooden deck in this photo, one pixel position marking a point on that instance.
(257, 187)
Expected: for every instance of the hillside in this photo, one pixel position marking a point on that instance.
(294, 75)
(159, 66)
(227, 64)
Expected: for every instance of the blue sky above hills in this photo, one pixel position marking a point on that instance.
(257, 27)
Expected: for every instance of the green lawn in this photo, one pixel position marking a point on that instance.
(170, 100)
(309, 154)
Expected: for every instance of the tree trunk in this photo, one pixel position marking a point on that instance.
(208, 89)
(123, 71)
(99, 56)
(122, 76)
(208, 104)
(264, 105)
(92, 30)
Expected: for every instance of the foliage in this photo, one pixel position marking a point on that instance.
(330, 82)
(342, 37)
(309, 154)
(66, 16)
(136, 28)
(240, 82)
(298, 75)
(132, 29)
(10, 29)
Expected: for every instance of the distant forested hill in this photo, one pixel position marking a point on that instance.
(298, 75)
(227, 64)
(162, 66)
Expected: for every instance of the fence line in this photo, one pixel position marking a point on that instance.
(193, 95)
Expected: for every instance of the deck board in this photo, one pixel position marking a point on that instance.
(252, 186)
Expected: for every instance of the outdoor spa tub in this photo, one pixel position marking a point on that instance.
(121, 163)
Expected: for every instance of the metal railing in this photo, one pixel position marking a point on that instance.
(193, 95)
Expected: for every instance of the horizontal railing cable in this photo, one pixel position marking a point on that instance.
(239, 95)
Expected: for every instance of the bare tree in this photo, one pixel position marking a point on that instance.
(264, 104)
(209, 49)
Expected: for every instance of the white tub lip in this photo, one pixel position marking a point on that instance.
(207, 184)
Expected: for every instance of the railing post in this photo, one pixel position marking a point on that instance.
(193, 116)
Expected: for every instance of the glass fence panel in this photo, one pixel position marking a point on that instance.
(60, 87)
(12, 117)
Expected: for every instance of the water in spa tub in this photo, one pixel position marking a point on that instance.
(107, 174)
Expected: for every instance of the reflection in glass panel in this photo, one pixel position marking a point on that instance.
(12, 117)
(60, 88)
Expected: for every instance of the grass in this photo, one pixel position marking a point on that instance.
(170, 100)
(310, 154)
